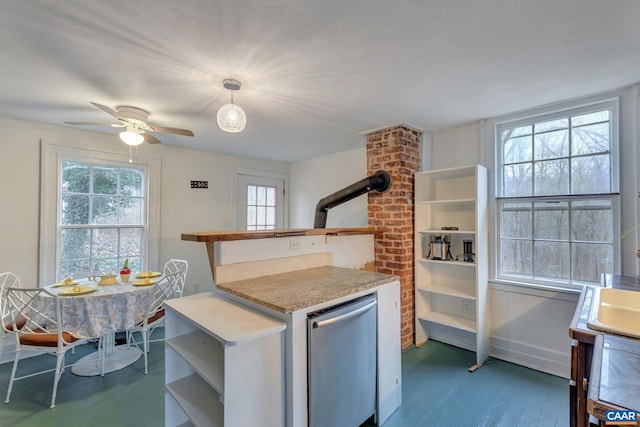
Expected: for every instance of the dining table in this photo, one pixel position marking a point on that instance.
(92, 310)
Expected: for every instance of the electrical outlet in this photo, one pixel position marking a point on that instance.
(294, 245)
(466, 306)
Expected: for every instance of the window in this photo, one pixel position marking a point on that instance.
(261, 201)
(96, 210)
(102, 218)
(557, 196)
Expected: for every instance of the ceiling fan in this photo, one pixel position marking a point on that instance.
(134, 120)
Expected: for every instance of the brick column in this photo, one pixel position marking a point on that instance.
(395, 149)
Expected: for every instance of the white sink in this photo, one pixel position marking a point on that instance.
(616, 311)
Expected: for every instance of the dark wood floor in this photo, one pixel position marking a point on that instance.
(437, 391)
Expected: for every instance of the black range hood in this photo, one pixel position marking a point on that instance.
(379, 181)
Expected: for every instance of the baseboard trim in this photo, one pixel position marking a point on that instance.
(534, 357)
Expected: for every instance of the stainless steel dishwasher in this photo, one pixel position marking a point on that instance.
(342, 363)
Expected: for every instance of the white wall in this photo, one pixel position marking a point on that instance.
(315, 178)
(182, 209)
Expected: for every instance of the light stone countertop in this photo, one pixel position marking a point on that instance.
(289, 292)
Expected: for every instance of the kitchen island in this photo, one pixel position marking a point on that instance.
(288, 274)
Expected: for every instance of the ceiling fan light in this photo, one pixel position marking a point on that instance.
(231, 118)
(131, 138)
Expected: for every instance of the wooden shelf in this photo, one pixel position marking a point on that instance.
(198, 401)
(445, 290)
(449, 320)
(204, 354)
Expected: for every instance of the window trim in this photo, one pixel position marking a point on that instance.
(51, 156)
(491, 153)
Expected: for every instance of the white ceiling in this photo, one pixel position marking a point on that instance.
(315, 73)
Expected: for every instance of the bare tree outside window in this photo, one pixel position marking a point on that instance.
(556, 200)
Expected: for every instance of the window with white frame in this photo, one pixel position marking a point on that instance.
(557, 195)
(102, 218)
(96, 210)
(261, 201)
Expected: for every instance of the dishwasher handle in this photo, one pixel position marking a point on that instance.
(345, 316)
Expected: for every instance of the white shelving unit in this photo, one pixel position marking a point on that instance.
(225, 369)
(452, 292)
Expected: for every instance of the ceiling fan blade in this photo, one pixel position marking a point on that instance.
(90, 124)
(150, 138)
(177, 131)
(108, 110)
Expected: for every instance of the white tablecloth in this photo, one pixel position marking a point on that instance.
(108, 309)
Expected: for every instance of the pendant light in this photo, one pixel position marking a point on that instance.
(231, 117)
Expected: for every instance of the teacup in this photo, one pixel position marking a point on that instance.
(105, 279)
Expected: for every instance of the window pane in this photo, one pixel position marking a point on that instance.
(551, 220)
(271, 215)
(131, 242)
(74, 209)
(583, 119)
(516, 220)
(251, 195)
(75, 244)
(517, 180)
(75, 177)
(592, 221)
(590, 139)
(590, 261)
(261, 195)
(551, 260)
(104, 243)
(551, 125)
(131, 182)
(105, 180)
(516, 256)
(591, 175)
(130, 211)
(515, 132)
(551, 177)
(261, 215)
(517, 149)
(271, 196)
(251, 215)
(105, 210)
(551, 145)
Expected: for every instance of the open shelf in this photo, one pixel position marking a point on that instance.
(452, 292)
(204, 354)
(445, 290)
(198, 401)
(449, 320)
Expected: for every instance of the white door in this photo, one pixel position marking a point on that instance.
(261, 202)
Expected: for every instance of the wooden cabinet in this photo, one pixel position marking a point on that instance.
(451, 289)
(222, 370)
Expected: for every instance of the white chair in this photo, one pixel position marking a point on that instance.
(35, 320)
(165, 288)
(177, 266)
(7, 280)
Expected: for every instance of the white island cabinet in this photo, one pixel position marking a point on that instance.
(224, 369)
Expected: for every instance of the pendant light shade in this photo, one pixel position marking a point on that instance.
(231, 117)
